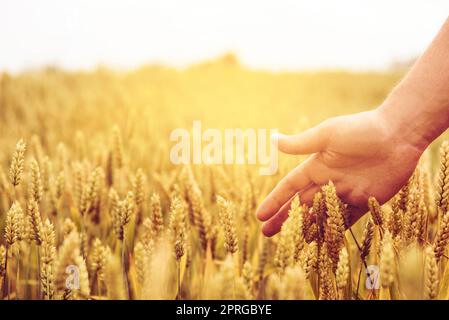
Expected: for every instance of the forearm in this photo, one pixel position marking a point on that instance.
(419, 106)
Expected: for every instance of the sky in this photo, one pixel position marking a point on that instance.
(264, 34)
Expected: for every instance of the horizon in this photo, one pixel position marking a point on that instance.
(396, 66)
(269, 35)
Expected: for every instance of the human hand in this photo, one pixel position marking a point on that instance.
(364, 154)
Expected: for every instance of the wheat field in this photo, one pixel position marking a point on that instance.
(92, 208)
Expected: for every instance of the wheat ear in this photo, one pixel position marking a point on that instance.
(35, 188)
(227, 221)
(431, 275)
(335, 223)
(442, 194)
(387, 261)
(48, 256)
(17, 164)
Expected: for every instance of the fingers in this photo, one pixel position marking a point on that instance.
(310, 141)
(296, 180)
(273, 226)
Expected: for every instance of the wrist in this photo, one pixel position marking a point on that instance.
(417, 110)
(405, 121)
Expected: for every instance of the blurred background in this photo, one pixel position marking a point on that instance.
(264, 34)
(76, 68)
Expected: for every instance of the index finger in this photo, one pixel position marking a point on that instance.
(295, 181)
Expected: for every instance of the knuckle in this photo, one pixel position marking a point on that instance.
(359, 196)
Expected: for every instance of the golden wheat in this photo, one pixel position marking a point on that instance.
(107, 216)
(17, 164)
(431, 275)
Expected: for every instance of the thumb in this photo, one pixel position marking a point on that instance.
(310, 141)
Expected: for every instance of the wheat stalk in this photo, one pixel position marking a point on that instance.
(47, 259)
(248, 277)
(443, 178)
(98, 262)
(199, 217)
(327, 289)
(227, 222)
(310, 259)
(117, 147)
(35, 221)
(139, 254)
(157, 219)
(14, 224)
(387, 261)
(17, 164)
(442, 238)
(335, 223)
(35, 188)
(178, 227)
(296, 215)
(431, 274)
(376, 211)
(342, 273)
(122, 213)
(284, 256)
(367, 239)
(319, 209)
